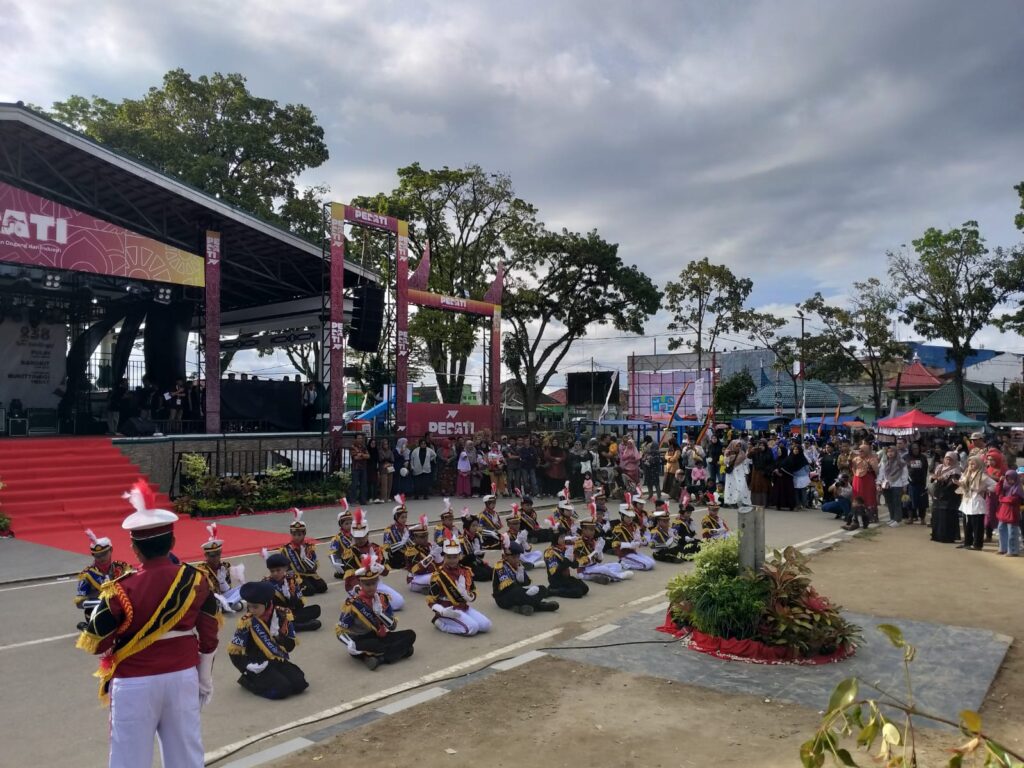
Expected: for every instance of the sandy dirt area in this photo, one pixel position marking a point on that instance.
(560, 713)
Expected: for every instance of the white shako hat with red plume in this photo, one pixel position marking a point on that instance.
(360, 525)
(98, 545)
(369, 568)
(213, 544)
(422, 526)
(147, 521)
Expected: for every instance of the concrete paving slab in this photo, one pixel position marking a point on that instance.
(23, 560)
(942, 684)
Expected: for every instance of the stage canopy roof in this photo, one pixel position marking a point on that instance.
(914, 420)
(261, 263)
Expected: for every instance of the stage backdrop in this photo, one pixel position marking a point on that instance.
(33, 363)
(653, 395)
(42, 233)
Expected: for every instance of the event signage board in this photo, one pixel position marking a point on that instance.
(41, 233)
(34, 363)
(446, 420)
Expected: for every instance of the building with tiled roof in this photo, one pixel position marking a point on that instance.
(944, 399)
(913, 384)
(821, 399)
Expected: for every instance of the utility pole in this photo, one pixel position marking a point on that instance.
(592, 391)
(803, 377)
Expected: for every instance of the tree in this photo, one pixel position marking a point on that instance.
(995, 404)
(860, 335)
(566, 284)
(471, 219)
(1013, 402)
(214, 134)
(706, 302)
(952, 287)
(733, 393)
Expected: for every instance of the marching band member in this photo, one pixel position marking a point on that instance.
(260, 647)
(589, 554)
(342, 540)
(627, 539)
(451, 592)
(397, 537)
(531, 559)
(367, 626)
(490, 521)
(361, 547)
(221, 573)
(92, 578)
(511, 585)
(535, 534)
(156, 630)
(559, 559)
(689, 541)
(473, 548)
(421, 557)
(446, 528)
(301, 554)
(288, 593)
(567, 517)
(638, 504)
(712, 526)
(665, 544)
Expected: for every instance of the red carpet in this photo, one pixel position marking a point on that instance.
(56, 487)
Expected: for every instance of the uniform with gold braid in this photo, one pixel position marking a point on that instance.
(367, 626)
(261, 646)
(156, 633)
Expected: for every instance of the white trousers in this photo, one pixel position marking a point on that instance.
(634, 561)
(165, 706)
(614, 571)
(469, 622)
(419, 583)
(396, 599)
(535, 559)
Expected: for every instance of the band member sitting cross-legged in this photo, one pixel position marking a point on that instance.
(261, 646)
(367, 626)
(451, 592)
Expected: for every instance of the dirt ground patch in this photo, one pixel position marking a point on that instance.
(562, 713)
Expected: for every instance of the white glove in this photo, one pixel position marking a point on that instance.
(205, 679)
(256, 668)
(573, 573)
(690, 539)
(569, 551)
(520, 573)
(532, 590)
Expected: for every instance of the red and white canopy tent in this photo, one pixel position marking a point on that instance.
(906, 423)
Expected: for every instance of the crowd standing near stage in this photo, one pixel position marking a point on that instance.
(620, 509)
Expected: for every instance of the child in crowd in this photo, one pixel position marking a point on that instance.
(698, 478)
(1010, 494)
(588, 487)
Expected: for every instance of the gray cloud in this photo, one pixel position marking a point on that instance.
(795, 141)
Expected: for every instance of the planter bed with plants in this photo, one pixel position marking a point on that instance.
(773, 616)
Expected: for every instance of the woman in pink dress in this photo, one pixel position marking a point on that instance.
(865, 469)
(629, 460)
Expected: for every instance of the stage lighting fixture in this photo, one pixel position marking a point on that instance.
(51, 281)
(163, 295)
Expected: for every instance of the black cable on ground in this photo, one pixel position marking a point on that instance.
(440, 681)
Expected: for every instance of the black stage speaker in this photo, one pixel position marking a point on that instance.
(367, 317)
(137, 427)
(590, 388)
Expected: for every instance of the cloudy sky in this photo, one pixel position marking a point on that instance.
(794, 141)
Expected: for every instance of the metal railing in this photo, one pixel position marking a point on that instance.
(239, 458)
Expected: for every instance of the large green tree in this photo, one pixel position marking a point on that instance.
(564, 285)
(733, 393)
(705, 302)
(951, 286)
(214, 134)
(765, 329)
(471, 219)
(857, 338)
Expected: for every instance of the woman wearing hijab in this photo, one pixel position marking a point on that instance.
(762, 464)
(469, 451)
(917, 469)
(864, 466)
(447, 457)
(421, 461)
(629, 460)
(894, 479)
(995, 467)
(737, 491)
(672, 456)
(787, 470)
(580, 462)
(945, 500)
(974, 487)
(554, 471)
(1009, 495)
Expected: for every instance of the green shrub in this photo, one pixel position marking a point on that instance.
(729, 607)
(280, 476)
(194, 468)
(215, 507)
(718, 559)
